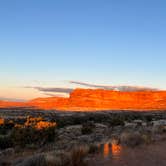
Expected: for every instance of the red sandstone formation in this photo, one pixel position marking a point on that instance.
(4, 104)
(99, 99)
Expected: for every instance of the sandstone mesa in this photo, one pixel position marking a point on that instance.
(97, 99)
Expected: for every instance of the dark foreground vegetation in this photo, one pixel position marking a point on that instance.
(52, 138)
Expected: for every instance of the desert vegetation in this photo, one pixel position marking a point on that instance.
(29, 137)
(33, 131)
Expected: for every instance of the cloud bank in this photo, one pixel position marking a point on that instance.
(118, 88)
(62, 92)
(53, 89)
(55, 94)
(12, 99)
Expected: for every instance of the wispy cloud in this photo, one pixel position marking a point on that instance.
(52, 89)
(120, 88)
(11, 99)
(58, 91)
(55, 95)
(91, 85)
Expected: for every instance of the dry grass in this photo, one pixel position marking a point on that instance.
(131, 138)
(59, 158)
(78, 155)
(36, 160)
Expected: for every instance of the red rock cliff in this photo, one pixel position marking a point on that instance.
(108, 99)
(98, 99)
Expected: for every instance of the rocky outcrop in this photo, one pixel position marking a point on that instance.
(5, 104)
(99, 99)
(107, 99)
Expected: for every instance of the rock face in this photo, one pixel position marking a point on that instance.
(49, 103)
(99, 99)
(116, 99)
(4, 104)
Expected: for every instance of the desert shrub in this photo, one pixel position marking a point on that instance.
(149, 118)
(29, 135)
(93, 148)
(36, 160)
(160, 129)
(49, 134)
(3, 162)
(87, 128)
(5, 142)
(54, 161)
(32, 146)
(115, 139)
(147, 138)
(78, 155)
(33, 131)
(63, 121)
(22, 136)
(44, 125)
(131, 138)
(3, 130)
(9, 124)
(117, 120)
(32, 121)
(5, 126)
(60, 158)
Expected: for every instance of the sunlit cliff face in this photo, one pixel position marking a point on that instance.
(98, 99)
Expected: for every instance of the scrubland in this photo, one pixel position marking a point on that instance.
(52, 138)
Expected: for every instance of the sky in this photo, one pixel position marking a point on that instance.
(49, 44)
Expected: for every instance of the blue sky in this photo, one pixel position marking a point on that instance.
(47, 43)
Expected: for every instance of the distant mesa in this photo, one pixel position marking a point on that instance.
(98, 99)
